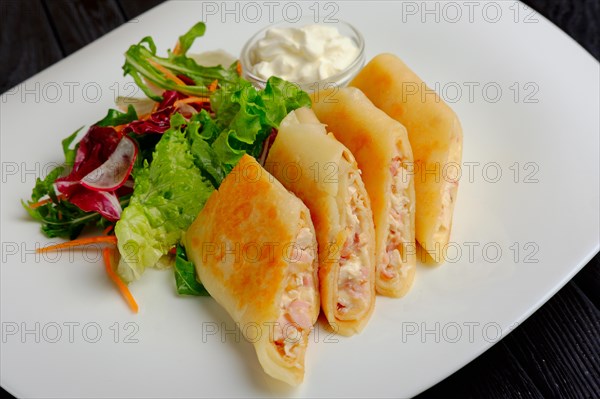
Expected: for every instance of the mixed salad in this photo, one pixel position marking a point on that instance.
(142, 174)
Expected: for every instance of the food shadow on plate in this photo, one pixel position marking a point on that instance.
(244, 350)
(425, 259)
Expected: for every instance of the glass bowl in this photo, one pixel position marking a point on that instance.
(340, 79)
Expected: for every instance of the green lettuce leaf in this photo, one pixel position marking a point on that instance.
(279, 98)
(167, 196)
(244, 118)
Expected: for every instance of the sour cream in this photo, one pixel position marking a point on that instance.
(303, 55)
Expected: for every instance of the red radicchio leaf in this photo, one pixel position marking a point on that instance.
(160, 120)
(169, 98)
(186, 80)
(104, 202)
(115, 171)
(94, 149)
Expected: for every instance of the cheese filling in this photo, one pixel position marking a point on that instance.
(398, 221)
(353, 279)
(297, 301)
(446, 207)
(448, 193)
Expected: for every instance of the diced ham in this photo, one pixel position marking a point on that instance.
(298, 313)
(295, 317)
(307, 280)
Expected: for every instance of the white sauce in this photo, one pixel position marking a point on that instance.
(302, 55)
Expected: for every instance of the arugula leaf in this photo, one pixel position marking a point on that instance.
(186, 280)
(186, 40)
(142, 63)
(115, 117)
(65, 220)
(60, 218)
(46, 186)
(67, 150)
(167, 196)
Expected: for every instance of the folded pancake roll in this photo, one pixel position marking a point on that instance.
(254, 249)
(436, 139)
(383, 153)
(323, 173)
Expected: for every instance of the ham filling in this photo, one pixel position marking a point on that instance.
(398, 219)
(353, 279)
(297, 301)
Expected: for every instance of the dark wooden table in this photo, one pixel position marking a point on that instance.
(555, 353)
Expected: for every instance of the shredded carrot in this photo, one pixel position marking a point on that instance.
(239, 68)
(213, 86)
(107, 255)
(40, 203)
(107, 230)
(167, 73)
(177, 49)
(193, 100)
(80, 242)
(46, 201)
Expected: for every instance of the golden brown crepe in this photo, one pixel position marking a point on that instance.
(323, 173)
(383, 153)
(435, 135)
(254, 248)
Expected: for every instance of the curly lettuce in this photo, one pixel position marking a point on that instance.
(244, 118)
(167, 196)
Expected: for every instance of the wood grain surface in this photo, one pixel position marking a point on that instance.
(77, 23)
(555, 353)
